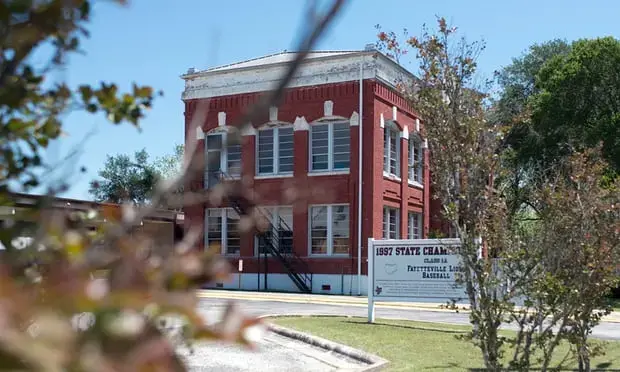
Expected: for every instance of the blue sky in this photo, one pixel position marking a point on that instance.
(154, 41)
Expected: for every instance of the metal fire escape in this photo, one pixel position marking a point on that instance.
(274, 242)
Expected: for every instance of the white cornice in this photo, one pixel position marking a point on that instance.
(318, 71)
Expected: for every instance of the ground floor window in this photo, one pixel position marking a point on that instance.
(414, 226)
(329, 230)
(391, 223)
(281, 219)
(222, 228)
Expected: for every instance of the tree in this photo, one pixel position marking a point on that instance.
(170, 166)
(31, 108)
(562, 99)
(136, 180)
(576, 241)
(517, 84)
(125, 179)
(578, 104)
(59, 311)
(463, 158)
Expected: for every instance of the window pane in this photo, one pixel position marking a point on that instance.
(213, 160)
(393, 152)
(390, 223)
(214, 141)
(340, 229)
(342, 145)
(265, 151)
(393, 223)
(318, 230)
(320, 147)
(234, 160)
(285, 229)
(233, 239)
(418, 162)
(415, 226)
(268, 212)
(386, 150)
(285, 148)
(214, 227)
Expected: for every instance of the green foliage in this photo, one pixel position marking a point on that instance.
(135, 180)
(561, 98)
(577, 106)
(87, 290)
(170, 166)
(31, 108)
(125, 179)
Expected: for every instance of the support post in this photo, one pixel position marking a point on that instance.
(371, 279)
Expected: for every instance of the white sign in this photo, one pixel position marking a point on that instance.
(413, 270)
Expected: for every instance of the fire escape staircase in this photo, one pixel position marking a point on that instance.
(296, 267)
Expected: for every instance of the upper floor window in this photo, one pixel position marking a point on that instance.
(391, 150)
(391, 223)
(330, 147)
(275, 151)
(416, 161)
(221, 158)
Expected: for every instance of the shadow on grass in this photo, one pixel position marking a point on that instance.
(417, 328)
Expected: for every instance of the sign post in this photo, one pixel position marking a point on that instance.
(423, 270)
(240, 271)
(371, 281)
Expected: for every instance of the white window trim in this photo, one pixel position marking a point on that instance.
(391, 127)
(277, 209)
(276, 153)
(223, 157)
(330, 227)
(415, 141)
(330, 150)
(410, 217)
(224, 232)
(386, 228)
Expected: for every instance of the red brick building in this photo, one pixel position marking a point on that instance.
(303, 161)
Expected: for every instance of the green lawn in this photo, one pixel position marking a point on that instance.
(415, 346)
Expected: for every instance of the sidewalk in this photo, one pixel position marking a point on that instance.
(337, 300)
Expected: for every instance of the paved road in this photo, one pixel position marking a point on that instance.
(274, 353)
(605, 330)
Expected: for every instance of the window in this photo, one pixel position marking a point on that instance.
(281, 219)
(221, 159)
(416, 161)
(275, 151)
(414, 226)
(391, 223)
(330, 147)
(391, 150)
(222, 228)
(329, 230)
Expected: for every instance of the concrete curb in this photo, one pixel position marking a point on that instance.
(375, 363)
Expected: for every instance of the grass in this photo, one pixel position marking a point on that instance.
(417, 346)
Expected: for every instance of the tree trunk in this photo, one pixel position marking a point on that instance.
(584, 358)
